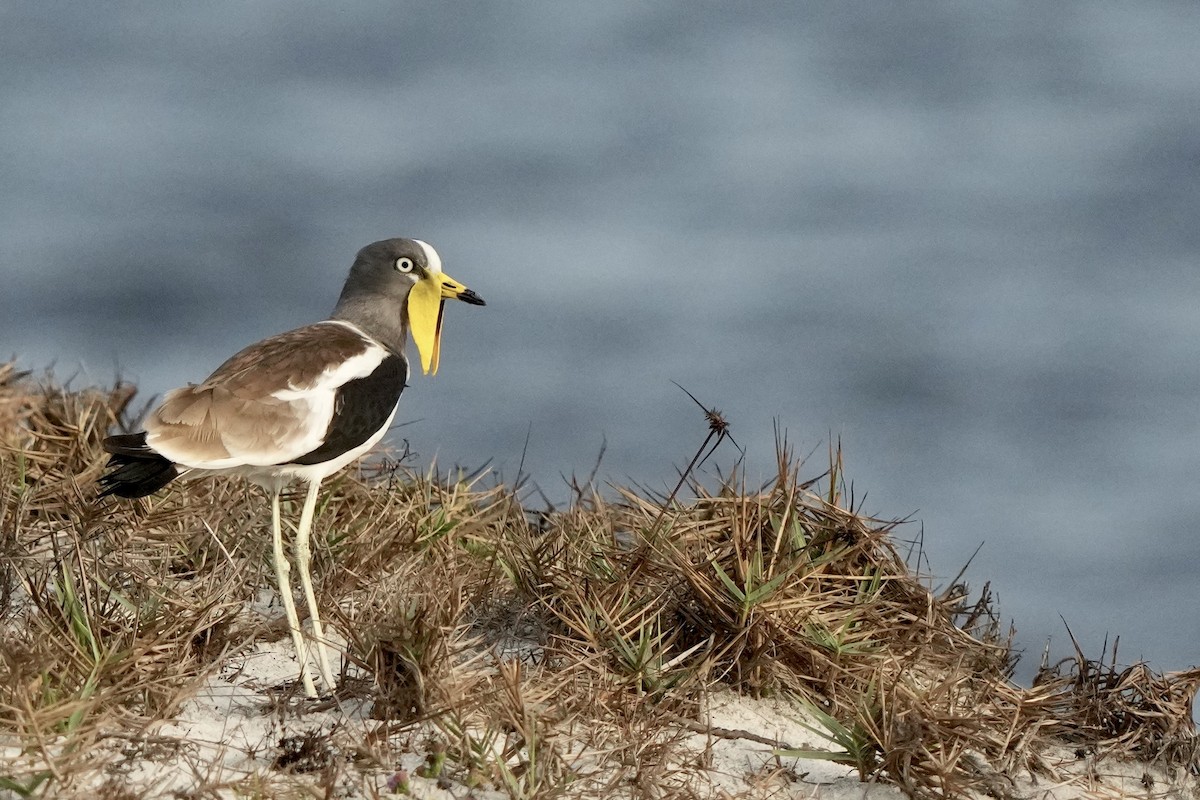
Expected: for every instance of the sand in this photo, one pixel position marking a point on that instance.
(247, 732)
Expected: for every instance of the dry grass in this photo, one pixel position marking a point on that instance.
(551, 653)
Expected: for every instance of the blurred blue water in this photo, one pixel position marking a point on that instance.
(962, 239)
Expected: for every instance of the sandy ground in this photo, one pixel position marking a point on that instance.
(237, 732)
(243, 735)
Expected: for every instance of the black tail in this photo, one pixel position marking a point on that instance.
(134, 469)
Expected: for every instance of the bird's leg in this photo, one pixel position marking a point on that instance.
(285, 592)
(303, 560)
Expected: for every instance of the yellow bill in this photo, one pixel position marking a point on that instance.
(425, 301)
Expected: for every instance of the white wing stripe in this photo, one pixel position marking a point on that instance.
(336, 375)
(314, 406)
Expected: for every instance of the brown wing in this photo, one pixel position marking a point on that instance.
(269, 404)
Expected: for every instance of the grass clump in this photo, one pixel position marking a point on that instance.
(556, 652)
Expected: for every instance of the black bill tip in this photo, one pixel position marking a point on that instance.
(470, 297)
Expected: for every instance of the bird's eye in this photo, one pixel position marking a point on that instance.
(404, 264)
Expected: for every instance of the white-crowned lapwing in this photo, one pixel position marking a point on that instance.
(300, 405)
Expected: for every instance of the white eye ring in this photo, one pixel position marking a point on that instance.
(404, 264)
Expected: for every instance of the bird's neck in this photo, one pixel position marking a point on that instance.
(382, 322)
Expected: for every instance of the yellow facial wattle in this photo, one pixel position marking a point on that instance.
(425, 301)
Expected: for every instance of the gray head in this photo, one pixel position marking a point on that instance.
(397, 286)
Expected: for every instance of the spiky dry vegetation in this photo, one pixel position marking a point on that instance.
(544, 653)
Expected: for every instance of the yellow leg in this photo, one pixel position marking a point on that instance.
(285, 592)
(303, 561)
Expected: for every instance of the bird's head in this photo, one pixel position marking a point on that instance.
(410, 271)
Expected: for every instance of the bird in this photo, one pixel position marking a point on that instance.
(299, 406)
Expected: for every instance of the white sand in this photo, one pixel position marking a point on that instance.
(228, 738)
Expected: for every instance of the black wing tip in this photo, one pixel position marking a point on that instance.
(127, 444)
(133, 479)
(134, 469)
